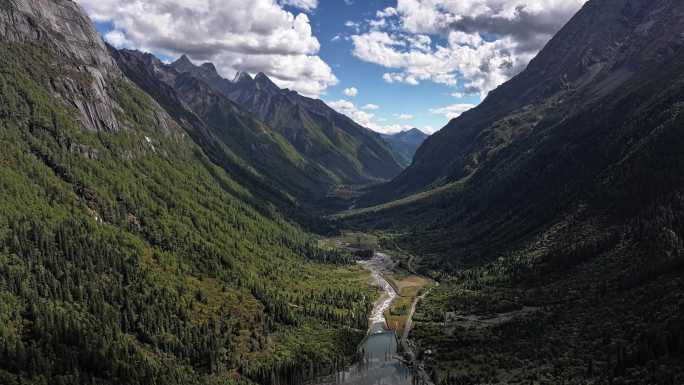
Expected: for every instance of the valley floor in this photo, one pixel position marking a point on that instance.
(483, 326)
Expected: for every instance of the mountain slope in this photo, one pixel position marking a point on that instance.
(619, 39)
(567, 134)
(350, 153)
(405, 144)
(126, 255)
(553, 212)
(227, 131)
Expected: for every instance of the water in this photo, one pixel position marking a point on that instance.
(378, 362)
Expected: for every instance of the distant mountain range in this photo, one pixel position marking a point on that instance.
(406, 143)
(347, 152)
(235, 138)
(298, 146)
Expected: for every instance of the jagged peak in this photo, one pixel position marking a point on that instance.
(183, 62)
(242, 77)
(146, 56)
(266, 82)
(209, 67)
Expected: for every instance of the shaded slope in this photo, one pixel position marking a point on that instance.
(553, 213)
(618, 40)
(599, 91)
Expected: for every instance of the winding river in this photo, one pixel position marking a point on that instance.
(379, 363)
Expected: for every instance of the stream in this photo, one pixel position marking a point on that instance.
(378, 363)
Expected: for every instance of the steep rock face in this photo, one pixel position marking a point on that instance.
(82, 55)
(351, 153)
(605, 45)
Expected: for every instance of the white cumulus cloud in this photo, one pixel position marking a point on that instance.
(365, 118)
(474, 44)
(453, 111)
(118, 39)
(351, 92)
(251, 36)
(307, 5)
(404, 116)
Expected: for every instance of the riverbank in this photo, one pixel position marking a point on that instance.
(396, 287)
(380, 265)
(382, 358)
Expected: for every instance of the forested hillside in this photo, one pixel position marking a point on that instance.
(553, 213)
(126, 255)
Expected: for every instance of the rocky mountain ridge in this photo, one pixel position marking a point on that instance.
(234, 137)
(351, 153)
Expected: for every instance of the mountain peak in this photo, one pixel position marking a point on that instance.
(242, 77)
(183, 64)
(265, 82)
(210, 67)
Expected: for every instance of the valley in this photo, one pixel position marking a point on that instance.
(161, 223)
(384, 356)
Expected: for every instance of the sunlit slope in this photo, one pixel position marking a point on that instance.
(126, 254)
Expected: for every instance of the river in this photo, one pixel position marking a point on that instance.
(378, 363)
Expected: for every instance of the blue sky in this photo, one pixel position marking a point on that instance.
(413, 63)
(329, 21)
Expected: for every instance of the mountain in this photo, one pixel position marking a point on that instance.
(564, 79)
(406, 143)
(351, 154)
(234, 137)
(553, 213)
(131, 252)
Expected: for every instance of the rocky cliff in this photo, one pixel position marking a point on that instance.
(82, 54)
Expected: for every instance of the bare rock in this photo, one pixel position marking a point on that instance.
(86, 68)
